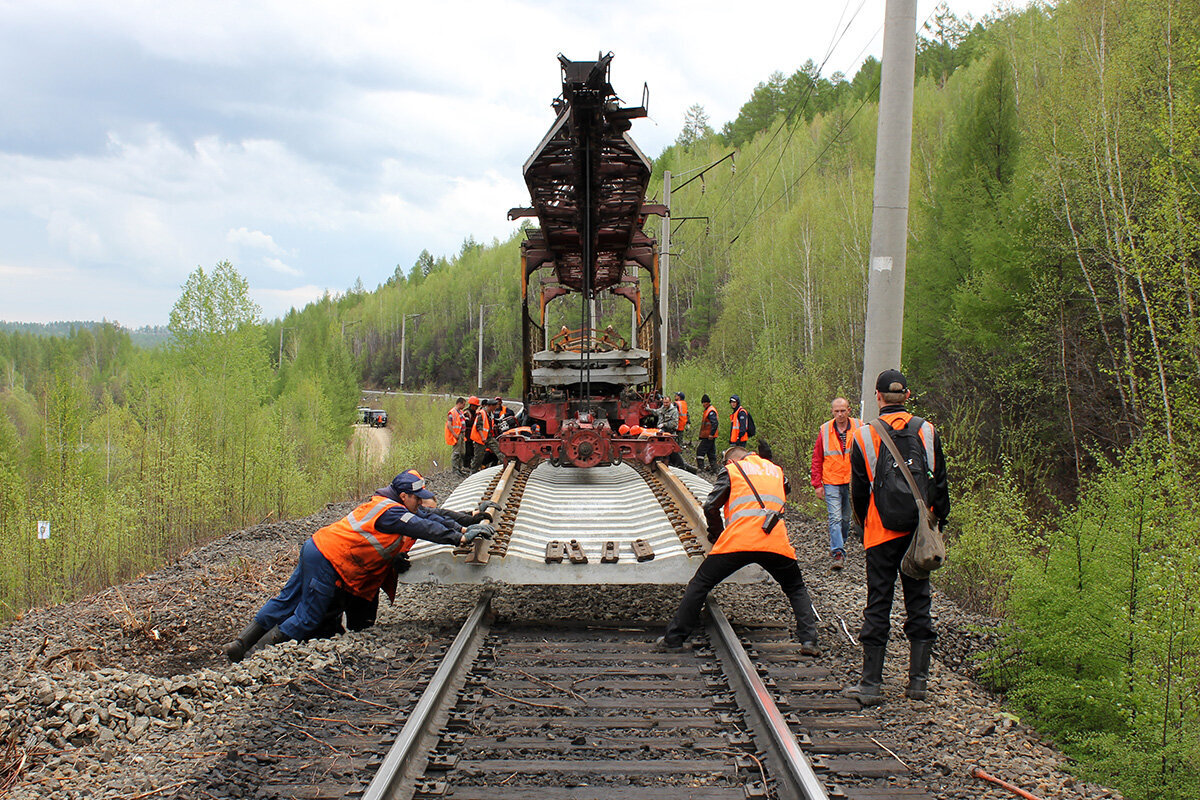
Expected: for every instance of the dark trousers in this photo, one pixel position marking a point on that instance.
(883, 564)
(707, 447)
(715, 569)
(360, 614)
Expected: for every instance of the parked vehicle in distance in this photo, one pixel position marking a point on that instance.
(377, 418)
(364, 415)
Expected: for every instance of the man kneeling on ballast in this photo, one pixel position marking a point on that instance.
(355, 556)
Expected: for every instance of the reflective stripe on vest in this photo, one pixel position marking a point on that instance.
(744, 515)
(736, 434)
(355, 547)
(369, 535)
(836, 468)
(454, 426)
(481, 427)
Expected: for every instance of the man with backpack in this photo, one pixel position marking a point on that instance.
(884, 505)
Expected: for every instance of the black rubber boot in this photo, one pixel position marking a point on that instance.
(869, 690)
(919, 654)
(235, 651)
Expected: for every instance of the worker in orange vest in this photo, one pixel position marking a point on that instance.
(681, 404)
(830, 475)
(360, 553)
(709, 423)
(482, 434)
(880, 496)
(469, 420)
(456, 436)
(739, 421)
(750, 492)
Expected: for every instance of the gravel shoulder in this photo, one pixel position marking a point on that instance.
(125, 693)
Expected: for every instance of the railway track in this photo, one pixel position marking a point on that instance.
(577, 710)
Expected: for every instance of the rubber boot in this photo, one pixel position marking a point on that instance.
(274, 636)
(869, 690)
(919, 654)
(235, 651)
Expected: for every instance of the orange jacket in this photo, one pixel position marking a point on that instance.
(743, 514)
(361, 554)
(683, 417)
(481, 427)
(835, 466)
(708, 423)
(868, 442)
(454, 425)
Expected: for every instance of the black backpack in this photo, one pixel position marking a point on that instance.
(751, 430)
(893, 498)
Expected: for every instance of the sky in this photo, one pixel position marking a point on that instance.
(314, 143)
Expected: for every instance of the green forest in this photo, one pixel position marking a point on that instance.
(1051, 333)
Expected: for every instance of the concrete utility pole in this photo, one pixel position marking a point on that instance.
(404, 340)
(664, 271)
(479, 379)
(889, 223)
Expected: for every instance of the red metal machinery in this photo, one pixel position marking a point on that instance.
(587, 182)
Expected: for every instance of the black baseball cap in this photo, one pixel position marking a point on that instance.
(891, 380)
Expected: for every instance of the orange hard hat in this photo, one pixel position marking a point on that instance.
(473, 400)
(623, 430)
(636, 430)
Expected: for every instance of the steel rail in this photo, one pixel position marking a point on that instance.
(790, 767)
(416, 735)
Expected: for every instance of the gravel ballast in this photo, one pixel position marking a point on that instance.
(125, 693)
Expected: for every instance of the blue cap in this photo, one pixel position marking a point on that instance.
(411, 482)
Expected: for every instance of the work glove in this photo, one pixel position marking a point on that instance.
(480, 530)
(484, 505)
(480, 516)
(401, 563)
(941, 525)
(713, 535)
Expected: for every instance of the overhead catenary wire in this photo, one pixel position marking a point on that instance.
(816, 160)
(800, 105)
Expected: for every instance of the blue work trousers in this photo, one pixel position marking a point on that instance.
(837, 506)
(301, 605)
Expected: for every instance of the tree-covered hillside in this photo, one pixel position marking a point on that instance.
(1051, 333)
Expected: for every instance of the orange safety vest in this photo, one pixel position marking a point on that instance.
(736, 434)
(683, 418)
(361, 554)
(869, 442)
(454, 426)
(743, 514)
(481, 428)
(836, 468)
(708, 423)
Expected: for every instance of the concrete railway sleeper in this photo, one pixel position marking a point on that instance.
(592, 710)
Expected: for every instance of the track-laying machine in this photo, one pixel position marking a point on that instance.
(584, 495)
(587, 182)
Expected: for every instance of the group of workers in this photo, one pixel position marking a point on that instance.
(344, 565)
(856, 474)
(472, 425)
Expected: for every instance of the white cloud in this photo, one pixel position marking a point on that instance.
(356, 132)
(276, 302)
(280, 267)
(254, 239)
